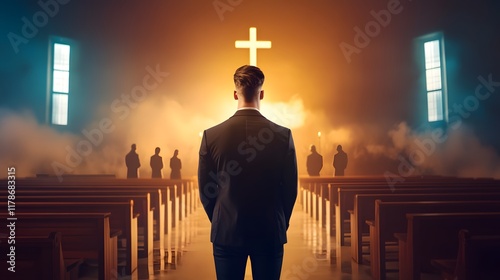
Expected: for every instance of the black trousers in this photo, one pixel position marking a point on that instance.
(230, 262)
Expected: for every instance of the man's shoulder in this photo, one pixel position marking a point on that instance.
(241, 116)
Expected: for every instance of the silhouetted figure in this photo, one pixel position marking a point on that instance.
(175, 165)
(314, 162)
(132, 162)
(340, 161)
(156, 164)
(248, 189)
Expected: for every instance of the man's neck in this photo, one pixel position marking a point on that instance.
(248, 105)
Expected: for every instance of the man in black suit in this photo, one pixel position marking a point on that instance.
(340, 161)
(314, 162)
(247, 176)
(156, 163)
(175, 166)
(132, 162)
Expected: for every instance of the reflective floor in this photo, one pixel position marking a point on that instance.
(309, 254)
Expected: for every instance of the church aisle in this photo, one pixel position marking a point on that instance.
(309, 254)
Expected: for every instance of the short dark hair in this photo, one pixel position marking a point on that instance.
(249, 79)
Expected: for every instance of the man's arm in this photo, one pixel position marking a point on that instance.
(308, 165)
(289, 180)
(207, 187)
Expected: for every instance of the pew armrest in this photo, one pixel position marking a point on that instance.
(72, 264)
(371, 223)
(350, 212)
(400, 236)
(402, 255)
(115, 233)
(445, 267)
(72, 268)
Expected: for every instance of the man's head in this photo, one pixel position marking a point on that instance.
(176, 153)
(339, 148)
(313, 149)
(157, 150)
(248, 81)
(133, 147)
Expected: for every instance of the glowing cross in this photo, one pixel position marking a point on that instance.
(253, 45)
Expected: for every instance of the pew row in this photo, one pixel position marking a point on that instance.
(145, 204)
(435, 236)
(478, 258)
(364, 209)
(390, 218)
(317, 192)
(38, 257)
(84, 236)
(186, 193)
(346, 200)
(173, 201)
(122, 219)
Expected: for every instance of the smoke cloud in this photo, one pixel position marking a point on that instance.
(455, 152)
(159, 121)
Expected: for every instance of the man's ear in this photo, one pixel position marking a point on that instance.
(235, 94)
(261, 95)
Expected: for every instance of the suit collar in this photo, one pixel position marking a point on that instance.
(248, 108)
(247, 112)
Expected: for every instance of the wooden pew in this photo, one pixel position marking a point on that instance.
(346, 200)
(319, 190)
(37, 257)
(122, 218)
(327, 186)
(184, 198)
(364, 209)
(316, 192)
(435, 236)
(390, 218)
(311, 183)
(183, 194)
(84, 235)
(478, 258)
(177, 199)
(142, 203)
(110, 187)
(381, 181)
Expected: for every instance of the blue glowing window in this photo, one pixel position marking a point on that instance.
(434, 80)
(60, 85)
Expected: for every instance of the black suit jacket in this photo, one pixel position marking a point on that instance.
(247, 176)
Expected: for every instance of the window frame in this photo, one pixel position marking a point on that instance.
(54, 91)
(441, 114)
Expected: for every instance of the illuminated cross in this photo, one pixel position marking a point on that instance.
(253, 45)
